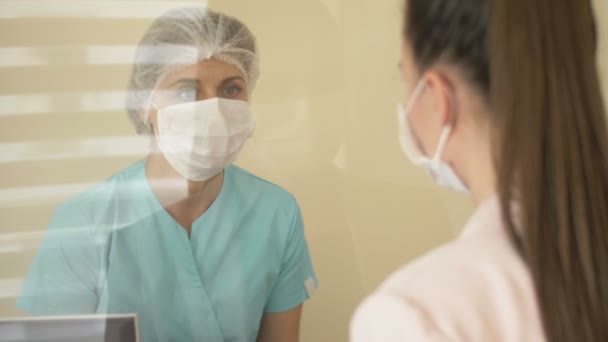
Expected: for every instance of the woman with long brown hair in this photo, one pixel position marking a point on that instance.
(504, 102)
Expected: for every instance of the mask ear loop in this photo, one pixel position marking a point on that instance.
(443, 140)
(152, 95)
(148, 107)
(153, 142)
(404, 116)
(414, 97)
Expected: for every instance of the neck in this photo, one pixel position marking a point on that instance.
(479, 174)
(173, 191)
(482, 190)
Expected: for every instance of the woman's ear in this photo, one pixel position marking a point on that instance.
(151, 111)
(441, 88)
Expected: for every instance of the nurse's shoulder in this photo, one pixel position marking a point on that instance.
(275, 216)
(68, 270)
(261, 192)
(98, 204)
(475, 288)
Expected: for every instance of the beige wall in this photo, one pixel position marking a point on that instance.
(326, 132)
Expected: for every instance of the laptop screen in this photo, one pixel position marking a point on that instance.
(121, 328)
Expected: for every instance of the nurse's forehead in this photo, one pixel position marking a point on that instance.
(207, 71)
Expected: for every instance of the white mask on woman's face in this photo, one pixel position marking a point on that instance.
(200, 139)
(443, 174)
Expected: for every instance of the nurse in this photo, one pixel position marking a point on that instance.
(504, 103)
(200, 249)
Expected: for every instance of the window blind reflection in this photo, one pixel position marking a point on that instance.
(10, 9)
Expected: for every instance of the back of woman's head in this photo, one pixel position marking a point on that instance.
(534, 63)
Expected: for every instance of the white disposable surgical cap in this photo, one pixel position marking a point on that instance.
(182, 37)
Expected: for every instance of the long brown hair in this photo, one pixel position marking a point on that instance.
(534, 61)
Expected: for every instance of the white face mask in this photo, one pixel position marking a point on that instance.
(200, 139)
(443, 174)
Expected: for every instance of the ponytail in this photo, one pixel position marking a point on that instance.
(552, 157)
(534, 61)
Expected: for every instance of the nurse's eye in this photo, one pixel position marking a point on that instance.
(186, 94)
(231, 91)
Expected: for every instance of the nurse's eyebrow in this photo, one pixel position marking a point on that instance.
(188, 81)
(230, 79)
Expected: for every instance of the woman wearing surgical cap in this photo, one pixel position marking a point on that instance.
(200, 249)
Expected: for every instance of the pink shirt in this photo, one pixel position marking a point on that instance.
(475, 288)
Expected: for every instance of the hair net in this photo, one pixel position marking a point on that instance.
(182, 37)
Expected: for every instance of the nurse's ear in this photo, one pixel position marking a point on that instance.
(154, 104)
(151, 116)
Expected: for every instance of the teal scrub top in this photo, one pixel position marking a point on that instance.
(114, 249)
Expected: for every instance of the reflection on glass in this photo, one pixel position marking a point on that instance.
(97, 8)
(200, 249)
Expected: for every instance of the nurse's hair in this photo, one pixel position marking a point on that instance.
(181, 37)
(534, 62)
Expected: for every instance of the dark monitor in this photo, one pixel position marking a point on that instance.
(107, 328)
